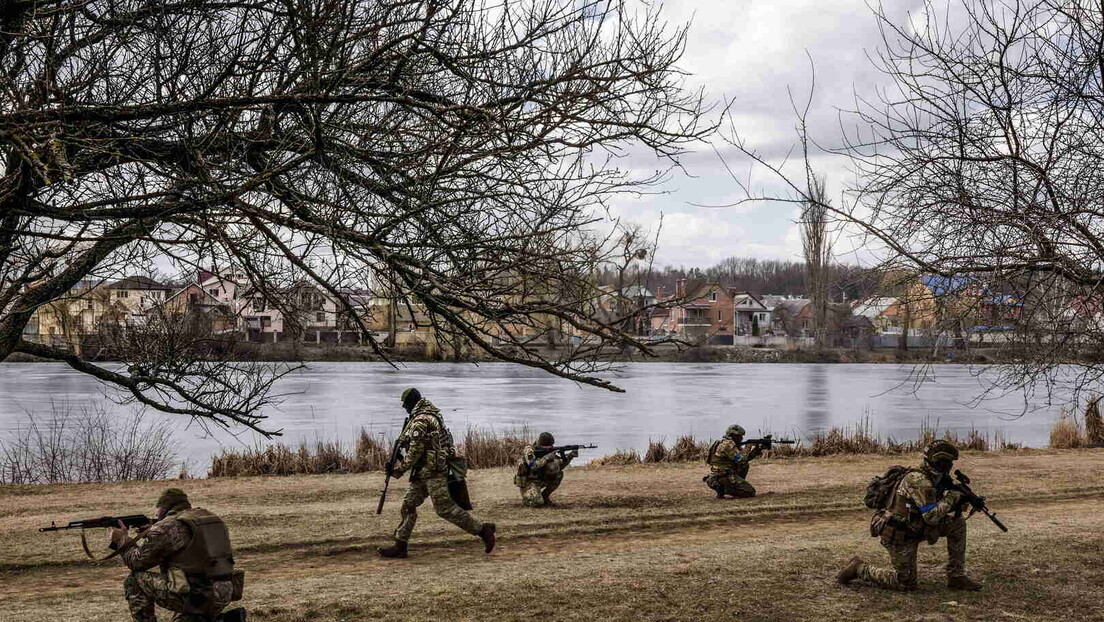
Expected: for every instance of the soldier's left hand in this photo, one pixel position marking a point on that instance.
(573, 454)
(118, 535)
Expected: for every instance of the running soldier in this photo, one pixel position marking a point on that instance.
(428, 447)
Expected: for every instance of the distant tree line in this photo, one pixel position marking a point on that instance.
(761, 276)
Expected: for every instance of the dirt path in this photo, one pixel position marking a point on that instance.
(669, 552)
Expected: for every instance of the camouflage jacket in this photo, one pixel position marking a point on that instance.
(726, 458)
(428, 443)
(547, 468)
(154, 547)
(918, 502)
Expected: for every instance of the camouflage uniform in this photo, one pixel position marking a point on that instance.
(193, 600)
(929, 516)
(428, 447)
(728, 468)
(539, 477)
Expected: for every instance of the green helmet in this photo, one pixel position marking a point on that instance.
(733, 431)
(172, 499)
(941, 450)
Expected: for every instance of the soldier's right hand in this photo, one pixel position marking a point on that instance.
(574, 453)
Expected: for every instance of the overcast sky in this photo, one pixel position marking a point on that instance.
(749, 52)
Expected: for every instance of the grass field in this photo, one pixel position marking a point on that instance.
(640, 542)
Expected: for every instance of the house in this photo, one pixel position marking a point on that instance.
(194, 300)
(876, 310)
(706, 313)
(792, 317)
(138, 293)
(751, 315)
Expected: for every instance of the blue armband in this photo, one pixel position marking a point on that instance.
(928, 508)
(738, 457)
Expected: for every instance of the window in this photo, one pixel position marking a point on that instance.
(214, 292)
(320, 316)
(258, 304)
(193, 298)
(122, 293)
(88, 304)
(712, 296)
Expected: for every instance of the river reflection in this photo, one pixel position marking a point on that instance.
(662, 401)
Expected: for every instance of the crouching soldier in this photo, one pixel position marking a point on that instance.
(918, 511)
(729, 466)
(540, 470)
(195, 576)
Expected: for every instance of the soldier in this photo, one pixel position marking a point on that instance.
(428, 447)
(918, 511)
(539, 477)
(728, 465)
(191, 548)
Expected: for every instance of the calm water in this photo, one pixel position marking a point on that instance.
(662, 401)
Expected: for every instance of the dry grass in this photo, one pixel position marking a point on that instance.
(857, 439)
(644, 543)
(1067, 433)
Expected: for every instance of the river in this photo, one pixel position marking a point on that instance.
(661, 401)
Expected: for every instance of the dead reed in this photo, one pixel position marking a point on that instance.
(483, 448)
(853, 439)
(1067, 432)
(1094, 426)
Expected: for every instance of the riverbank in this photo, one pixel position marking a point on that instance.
(641, 542)
(285, 352)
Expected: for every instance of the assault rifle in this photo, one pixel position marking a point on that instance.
(389, 469)
(107, 522)
(561, 449)
(767, 442)
(976, 502)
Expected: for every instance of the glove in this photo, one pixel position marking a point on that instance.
(953, 498)
(573, 454)
(397, 471)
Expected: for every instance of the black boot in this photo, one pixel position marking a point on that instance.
(487, 535)
(234, 615)
(398, 550)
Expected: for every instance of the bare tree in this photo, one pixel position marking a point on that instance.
(457, 151)
(979, 166)
(817, 246)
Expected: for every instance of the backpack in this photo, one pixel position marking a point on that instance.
(879, 491)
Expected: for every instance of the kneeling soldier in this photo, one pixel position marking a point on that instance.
(918, 511)
(728, 466)
(191, 548)
(540, 470)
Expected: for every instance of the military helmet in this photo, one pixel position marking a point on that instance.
(941, 450)
(173, 498)
(546, 439)
(733, 431)
(410, 398)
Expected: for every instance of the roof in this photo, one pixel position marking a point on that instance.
(793, 305)
(138, 282)
(873, 307)
(202, 292)
(636, 291)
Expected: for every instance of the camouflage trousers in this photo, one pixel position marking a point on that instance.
(144, 590)
(902, 554)
(730, 484)
(436, 488)
(533, 493)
